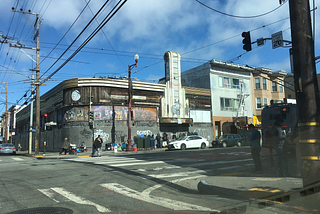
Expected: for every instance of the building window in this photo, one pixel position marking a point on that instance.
(288, 84)
(235, 104)
(264, 83)
(265, 101)
(280, 86)
(274, 86)
(226, 104)
(224, 82)
(258, 102)
(236, 83)
(289, 96)
(257, 82)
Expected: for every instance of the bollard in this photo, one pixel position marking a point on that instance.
(115, 148)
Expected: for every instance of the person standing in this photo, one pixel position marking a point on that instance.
(96, 146)
(279, 141)
(65, 146)
(255, 148)
(158, 138)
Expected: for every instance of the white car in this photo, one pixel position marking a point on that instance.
(187, 142)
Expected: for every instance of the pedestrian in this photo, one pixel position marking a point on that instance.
(158, 138)
(96, 146)
(255, 148)
(278, 137)
(164, 140)
(152, 141)
(65, 146)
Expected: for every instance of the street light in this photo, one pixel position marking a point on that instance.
(136, 58)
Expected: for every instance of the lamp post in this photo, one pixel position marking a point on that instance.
(136, 58)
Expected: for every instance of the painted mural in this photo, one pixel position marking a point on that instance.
(121, 113)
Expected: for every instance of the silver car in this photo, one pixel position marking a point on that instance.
(7, 148)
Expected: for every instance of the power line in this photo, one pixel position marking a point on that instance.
(66, 32)
(114, 10)
(83, 30)
(237, 16)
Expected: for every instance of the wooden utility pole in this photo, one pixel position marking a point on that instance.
(37, 82)
(306, 88)
(6, 119)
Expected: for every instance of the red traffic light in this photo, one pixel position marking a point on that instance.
(45, 115)
(246, 41)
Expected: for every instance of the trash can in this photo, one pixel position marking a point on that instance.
(147, 142)
(140, 143)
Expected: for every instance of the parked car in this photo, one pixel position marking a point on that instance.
(228, 140)
(7, 148)
(187, 142)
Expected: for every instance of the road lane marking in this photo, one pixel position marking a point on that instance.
(52, 191)
(266, 179)
(78, 199)
(140, 163)
(17, 159)
(228, 167)
(49, 193)
(170, 175)
(164, 202)
(150, 189)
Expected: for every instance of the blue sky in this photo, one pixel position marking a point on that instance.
(147, 27)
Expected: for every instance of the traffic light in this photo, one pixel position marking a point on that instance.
(45, 118)
(246, 41)
(91, 115)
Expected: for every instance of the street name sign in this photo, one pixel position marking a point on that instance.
(277, 40)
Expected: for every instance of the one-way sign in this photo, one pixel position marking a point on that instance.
(277, 40)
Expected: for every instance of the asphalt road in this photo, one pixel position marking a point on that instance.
(161, 181)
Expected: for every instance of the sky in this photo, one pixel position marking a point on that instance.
(147, 27)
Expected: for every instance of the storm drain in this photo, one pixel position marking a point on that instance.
(44, 210)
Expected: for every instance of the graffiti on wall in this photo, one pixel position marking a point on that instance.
(144, 132)
(104, 135)
(121, 113)
(75, 114)
(204, 132)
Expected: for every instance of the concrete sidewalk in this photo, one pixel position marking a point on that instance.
(55, 155)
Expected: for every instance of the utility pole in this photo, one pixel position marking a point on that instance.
(6, 121)
(306, 88)
(37, 82)
(31, 117)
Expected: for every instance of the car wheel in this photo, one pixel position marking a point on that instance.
(224, 144)
(203, 146)
(183, 146)
(239, 143)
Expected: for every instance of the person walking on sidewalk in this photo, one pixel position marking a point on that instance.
(96, 146)
(255, 148)
(65, 146)
(279, 137)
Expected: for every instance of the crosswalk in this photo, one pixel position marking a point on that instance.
(146, 168)
(10, 159)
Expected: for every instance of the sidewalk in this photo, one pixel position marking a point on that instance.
(55, 155)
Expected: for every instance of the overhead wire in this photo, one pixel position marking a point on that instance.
(238, 16)
(107, 38)
(66, 32)
(114, 10)
(83, 30)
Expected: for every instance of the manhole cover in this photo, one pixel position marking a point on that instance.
(44, 210)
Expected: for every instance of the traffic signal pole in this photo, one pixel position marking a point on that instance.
(307, 93)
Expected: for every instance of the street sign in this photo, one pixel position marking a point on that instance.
(260, 41)
(277, 40)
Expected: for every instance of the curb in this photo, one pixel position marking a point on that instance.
(205, 188)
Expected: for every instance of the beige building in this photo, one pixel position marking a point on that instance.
(267, 87)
